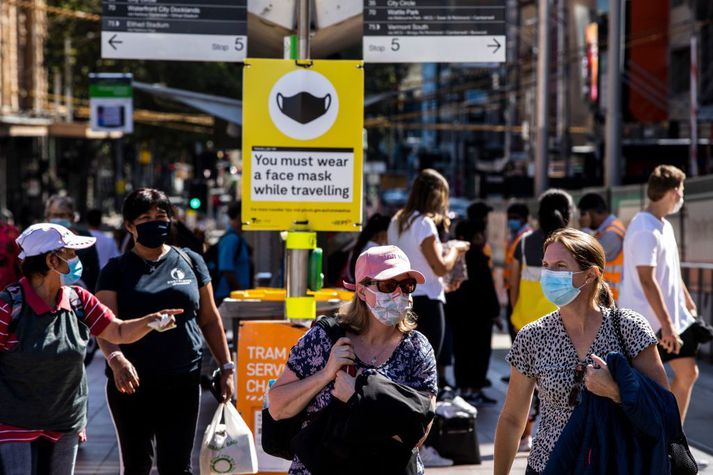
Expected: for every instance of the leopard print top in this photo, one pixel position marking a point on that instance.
(543, 351)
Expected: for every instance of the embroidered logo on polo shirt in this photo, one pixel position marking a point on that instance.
(178, 277)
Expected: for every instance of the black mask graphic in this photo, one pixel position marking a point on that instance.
(303, 107)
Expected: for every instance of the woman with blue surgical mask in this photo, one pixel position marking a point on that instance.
(45, 325)
(380, 337)
(563, 352)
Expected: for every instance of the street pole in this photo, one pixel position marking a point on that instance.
(562, 81)
(68, 93)
(612, 153)
(119, 181)
(693, 170)
(543, 100)
(511, 74)
(299, 242)
(303, 25)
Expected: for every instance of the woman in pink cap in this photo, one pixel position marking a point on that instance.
(45, 324)
(380, 337)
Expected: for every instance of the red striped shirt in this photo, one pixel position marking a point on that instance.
(96, 316)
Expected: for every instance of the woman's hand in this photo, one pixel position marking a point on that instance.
(126, 378)
(461, 246)
(344, 386)
(342, 354)
(599, 381)
(170, 312)
(227, 385)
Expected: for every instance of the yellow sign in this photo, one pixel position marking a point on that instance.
(263, 348)
(302, 145)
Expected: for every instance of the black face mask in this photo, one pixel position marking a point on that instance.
(303, 107)
(153, 234)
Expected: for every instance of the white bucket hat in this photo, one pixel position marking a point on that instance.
(45, 237)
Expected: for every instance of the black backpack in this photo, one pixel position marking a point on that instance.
(277, 435)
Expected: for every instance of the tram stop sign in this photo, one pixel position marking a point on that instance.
(302, 143)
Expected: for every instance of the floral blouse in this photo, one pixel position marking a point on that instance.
(543, 350)
(412, 363)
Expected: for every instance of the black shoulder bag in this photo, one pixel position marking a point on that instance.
(277, 435)
(679, 454)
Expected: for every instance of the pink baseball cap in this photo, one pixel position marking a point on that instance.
(383, 263)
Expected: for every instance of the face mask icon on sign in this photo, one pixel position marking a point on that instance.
(304, 107)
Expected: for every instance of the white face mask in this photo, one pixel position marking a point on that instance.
(677, 207)
(389, 309)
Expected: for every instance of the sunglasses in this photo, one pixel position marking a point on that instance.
(407, 286)
(577, 389)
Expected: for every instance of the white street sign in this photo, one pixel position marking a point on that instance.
(434, 31)
(188, 30)
(429, 49)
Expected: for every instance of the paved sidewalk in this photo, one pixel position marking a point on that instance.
(100, 454)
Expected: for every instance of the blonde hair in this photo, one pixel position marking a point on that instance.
(588, 253)
(429, 196)
(354, 315)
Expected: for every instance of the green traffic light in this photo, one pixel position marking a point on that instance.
(195, 203)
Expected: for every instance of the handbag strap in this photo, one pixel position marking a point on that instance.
(616, 323)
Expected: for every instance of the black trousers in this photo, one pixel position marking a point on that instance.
(431, 321)
(472, 345)
(165, 411)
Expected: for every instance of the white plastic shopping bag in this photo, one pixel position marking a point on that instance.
(228, 445)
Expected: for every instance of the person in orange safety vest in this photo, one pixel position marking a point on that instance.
(609, 230)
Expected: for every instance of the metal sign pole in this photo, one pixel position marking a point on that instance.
(303, 24)
(543, 99)
(300, 244)
(612, 155)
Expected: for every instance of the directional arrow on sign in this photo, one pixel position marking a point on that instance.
(496, 46)
(113, 41)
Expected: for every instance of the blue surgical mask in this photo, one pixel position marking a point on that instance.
(558, 287)
(62, 222)
(514, 225)
(75, 271)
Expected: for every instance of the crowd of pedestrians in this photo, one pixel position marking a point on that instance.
(587, 310)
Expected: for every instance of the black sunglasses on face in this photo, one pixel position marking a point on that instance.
(388, 286)
(578, 378)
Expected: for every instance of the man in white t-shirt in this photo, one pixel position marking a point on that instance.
(652, 283)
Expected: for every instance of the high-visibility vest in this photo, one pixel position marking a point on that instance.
(613, 269)
(510, 253)
(531, 301)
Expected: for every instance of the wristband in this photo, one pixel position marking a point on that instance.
(113, 355)
(229, 366)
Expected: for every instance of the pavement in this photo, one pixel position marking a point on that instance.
(99, 455)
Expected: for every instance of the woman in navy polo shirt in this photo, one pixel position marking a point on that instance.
(45, 324)
(153, 388)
